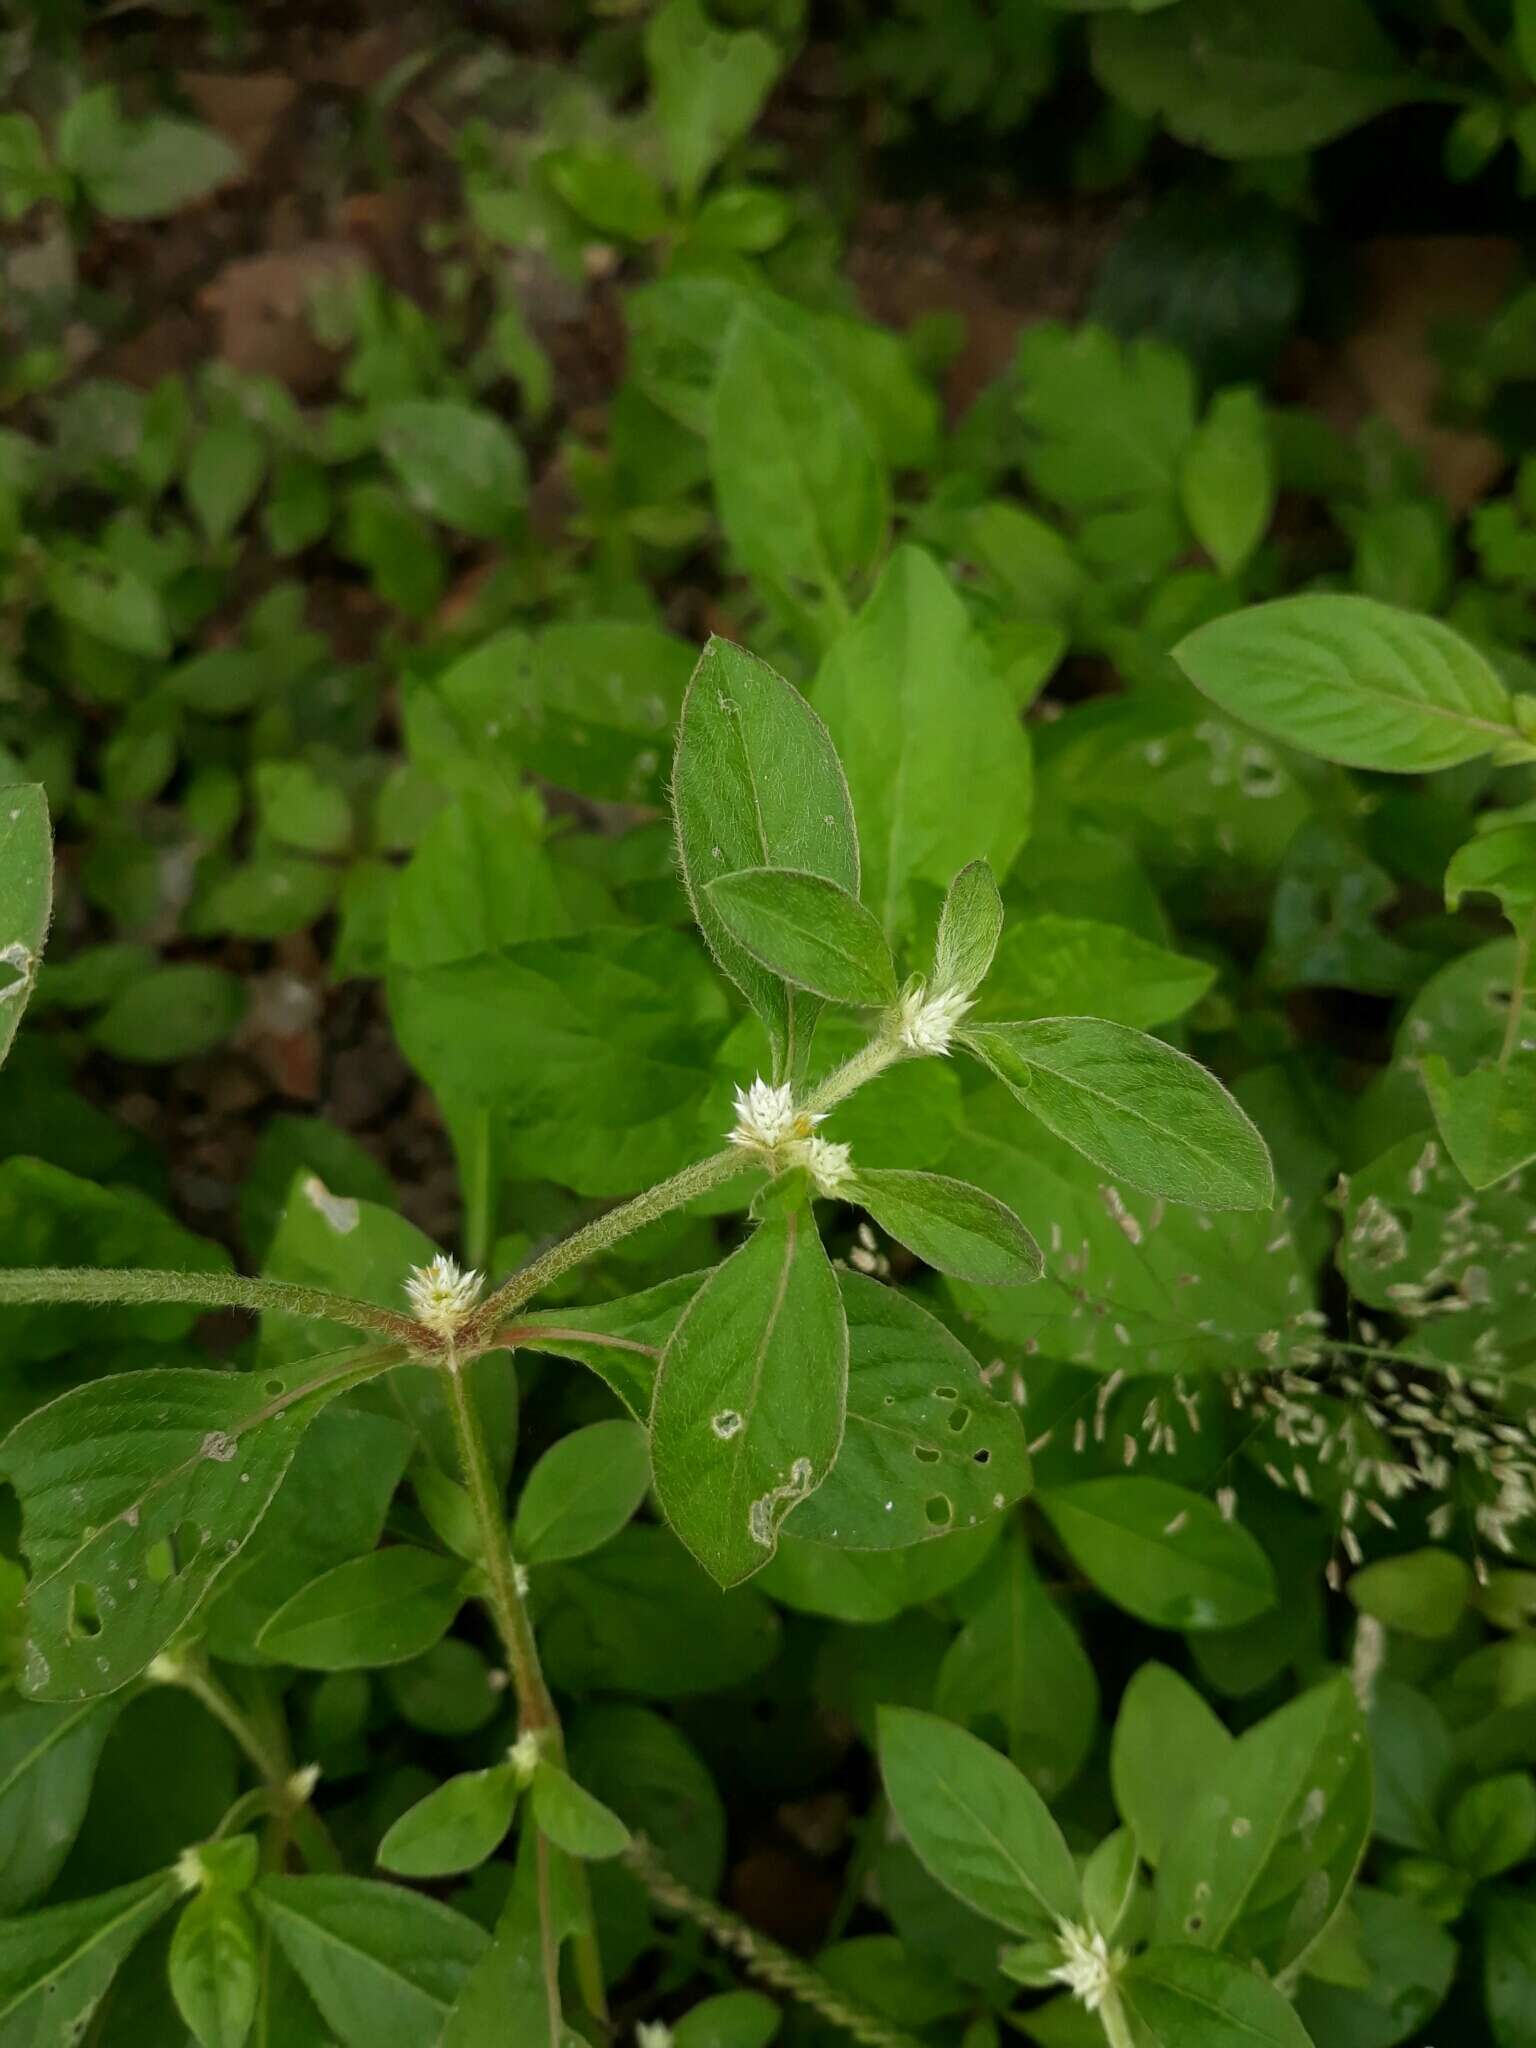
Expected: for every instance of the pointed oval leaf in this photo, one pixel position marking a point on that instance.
(56, 1965)
(1165, 1744)
(757, 783)
(214, 1971)
(48, 1758)
(1188, 1998)
(26, 899)
(926, 1449)
(622, 1341)
(582, 1491)
(573, 1820)
(956, 1228)
(458, 463)
(809, 931)
(970, 925)
(1488, 1117)
(1352, 680)
(976, 1823)
(1162, 1553)
(1134, 1106)
(136, 1492)
(454, 1828)
(750, 1398)
(384, 1608)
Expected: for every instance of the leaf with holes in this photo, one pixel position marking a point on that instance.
(750, 1398)
(1134, 1106)
(26, 899)
(926, 1448)
(757, 782)
(956, 1228)
(135, 1494)
(56, 1965)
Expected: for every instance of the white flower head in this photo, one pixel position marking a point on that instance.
(1086, 1968)
(441, 1294)
(766, 1117)
(925, 1023)
(653, 2034)
(524, 1755)
(191, 1871)
(829, 1165)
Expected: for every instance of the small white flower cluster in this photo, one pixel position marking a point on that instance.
(524, 1755)
(441, 1294)
(926, 1023)
(781, 1136)
(653, 2034)
(1086, 1968)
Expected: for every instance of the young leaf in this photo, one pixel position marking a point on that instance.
(750, 1398)
(383, 1964)
(1166, 1743)
(575, 1821)
(140, 170)
(1228, 481)
(976, 1823)
(1161, 1552)
(1492, 1826)
(927, 1448)
(454, 1828)
(958, 1229)
(214, 1969)
(1420, 1592)
(733, 2019)
(48, 1758)
(1134, 1106)
(1501, 861)
(709, 86)
(458, 463)
(1509, 1968)
(809, 931)
(970, 925)
(757, 783)
(136, 1492)
(800, 484)
(1488, 1117)
(622, 1341)
(26, 899)
(1265, 1853)
(1188, 1998)
(582, 1491)
(56, 1964)
(1352, 680)
(384, 1608)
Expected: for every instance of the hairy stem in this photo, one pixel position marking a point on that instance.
(33, 1286)
(762, 1958)
(536, 1710)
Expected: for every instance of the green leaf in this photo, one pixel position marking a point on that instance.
(643, 1767)
(610, 190)
(956, 1228)
(709, 86)
(458, 464)
(1166, 1742)
(224, 473)
(750, 1397)
(1492, 1826)
(1488, 1117)
(572, 1819)
(214, 1969)
(937, 759)
(136, 1493)
(140, 170)
(454, 1828)
(927, 1449)
(111, 602)
(26, 899)
(1046, 963)
(970, 925)
(1423, 1593)
(48, 1758)
(1108, 422)
(809, 931)
(1509, 1969)
(757, 782)
(1352, 680)
(976, 1823)
(1163, 1553)
(384, 1965)
(1500, 860)
(622, 1341)
(1188, 1998)
(1241, 82)
(171, 1013)
(56, 1964)
(734, 2019)
(1410, 1960)
(1150, 1115)
(381, 1609)
(582, 1492)
(1268, 1848)
(801, 487)
(1228, 480)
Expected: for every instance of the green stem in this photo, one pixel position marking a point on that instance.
(475, 1142)
(31, 1286)
(882, 1051)
(1117, 2029)
(762, 1958)
(596, 1236)
(536, 1710)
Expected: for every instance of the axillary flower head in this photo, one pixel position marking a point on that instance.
(830, 1166)
(926, 1023)
(653, 2034)
(441, 1294)
(766, 1118)
(1087, 1967)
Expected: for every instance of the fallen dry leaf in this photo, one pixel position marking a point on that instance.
(261, 304)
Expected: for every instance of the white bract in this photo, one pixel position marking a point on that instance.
(925, 1023)
(441, 1293)
(653, 2034)
(766, 1118)
(828, 1164)
(1086, 1968)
